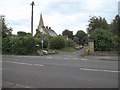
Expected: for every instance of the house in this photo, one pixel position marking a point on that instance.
(45, 29)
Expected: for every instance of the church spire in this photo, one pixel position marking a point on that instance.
(41, 23)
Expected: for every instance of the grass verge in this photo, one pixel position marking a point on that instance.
(68, 49)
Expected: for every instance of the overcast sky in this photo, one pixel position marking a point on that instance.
(58, 14)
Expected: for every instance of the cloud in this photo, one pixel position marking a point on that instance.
(59, 14)
(65, 22)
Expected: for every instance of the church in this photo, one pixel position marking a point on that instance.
(45, 29)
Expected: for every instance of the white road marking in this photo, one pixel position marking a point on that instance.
(105, 57)
(83, 59)
(49, 57)
(57, 58)
(38, 65)
(19, 63)
(24, 63)
(98, 70)
(22, 86)
(75, 58)
(66, 58)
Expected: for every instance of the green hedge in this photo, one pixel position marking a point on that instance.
(57, 42)
(19, 45)
(103, 40)
(6, 45)
(69, 43)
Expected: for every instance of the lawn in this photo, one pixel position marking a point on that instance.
(68, 49)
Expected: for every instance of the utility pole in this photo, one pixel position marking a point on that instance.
(119, 8)
(32, 17)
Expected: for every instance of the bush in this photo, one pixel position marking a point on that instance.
(45, 44)
(6, 45)
(22, 33)
(69, 43)
(23, 45)
(103, 40)
(57, 42)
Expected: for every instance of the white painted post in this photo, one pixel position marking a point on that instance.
(42, 46)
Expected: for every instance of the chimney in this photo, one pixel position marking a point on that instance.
(50, 28)
(47, 27)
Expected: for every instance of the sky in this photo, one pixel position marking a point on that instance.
(57, 14)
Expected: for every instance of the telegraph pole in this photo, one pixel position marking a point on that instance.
(32, 17)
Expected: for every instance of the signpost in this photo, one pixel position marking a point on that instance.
(42, 39)
(42, 45)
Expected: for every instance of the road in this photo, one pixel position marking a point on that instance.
(59, 71)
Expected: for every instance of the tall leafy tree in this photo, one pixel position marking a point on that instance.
(115, 25)
(22, 33)
(5, 30)
(97, 22)
(68, 33)
(82, 37)
(76, 40)
(115, 29)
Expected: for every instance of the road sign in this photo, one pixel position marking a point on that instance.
(42, 38)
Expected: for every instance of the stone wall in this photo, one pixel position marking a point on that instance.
(91, 47)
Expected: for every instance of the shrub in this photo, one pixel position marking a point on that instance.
(57, 42)
(69, 43)
(23, 45)
(6, 45)
(22, 33)
(102, 39)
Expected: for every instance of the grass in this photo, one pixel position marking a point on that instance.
(68, 49)
(99, 53)
(85, 53)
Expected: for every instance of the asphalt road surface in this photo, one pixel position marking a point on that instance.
(59, 71)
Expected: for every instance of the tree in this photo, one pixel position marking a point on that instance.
(97, 22)
(38, 34)
(6, 45)
(22, 33)
(5, 30)
(103, 40)
(115, 29)
(82, 37)
(115, 25)
(76, 40)
(68, 33)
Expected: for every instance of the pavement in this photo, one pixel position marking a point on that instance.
(109, 58)
(66, 70)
